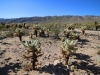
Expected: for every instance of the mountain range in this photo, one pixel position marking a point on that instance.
(64, 19)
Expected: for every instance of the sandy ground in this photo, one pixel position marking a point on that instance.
(86, 57)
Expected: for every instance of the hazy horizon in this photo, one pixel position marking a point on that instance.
(41, 8)
(48, 15)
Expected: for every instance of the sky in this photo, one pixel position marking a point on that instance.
(31, 8)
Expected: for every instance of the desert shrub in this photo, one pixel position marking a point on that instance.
(71, 33)
(89, 27)
(37, 27)
(55, 30)
(5, 34)
(26, 32)
(2, 28)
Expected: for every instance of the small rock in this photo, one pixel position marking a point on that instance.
(55, 54)
(16, 68)
(7, 58)
(47, 64)
(56, 62)
(45, 57)
(72, 67)
(25, 73)
(72, 73)
(49, 55)
(2, 62)
(17, 60)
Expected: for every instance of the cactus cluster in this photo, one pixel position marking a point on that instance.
(33, 48)
(38, 30)
(37, 27)
(7, 26)
(41, 32)
(16, 25)
(71, 34)
(70, 27)
(67, 33)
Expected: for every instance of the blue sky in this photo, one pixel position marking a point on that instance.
(30, 8)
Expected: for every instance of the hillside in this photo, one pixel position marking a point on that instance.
(64, 19)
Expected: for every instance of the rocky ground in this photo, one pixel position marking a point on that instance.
(86, 60)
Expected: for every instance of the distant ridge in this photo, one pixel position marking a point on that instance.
(65, 19)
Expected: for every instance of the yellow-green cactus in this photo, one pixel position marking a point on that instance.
(33, 47)
(67, 48)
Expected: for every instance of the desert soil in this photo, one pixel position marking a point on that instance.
(86, 56)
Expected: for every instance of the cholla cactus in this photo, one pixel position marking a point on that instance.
(96, 25)
(27, 26)
(47, 32)
(19, 32)
(67, 48)
(35, 32)
(31, 35)
(14, 25)
(75, 36)
(41, 33)
(70, 27)
(20, 25)
(23, 25)
(68, 45)
(68, 33)
(7, 26)
(33, 51)
(37, 27)
(83, 29)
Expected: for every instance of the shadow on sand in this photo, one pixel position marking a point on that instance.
(58, 69)
(11, 67)
(83, 65)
